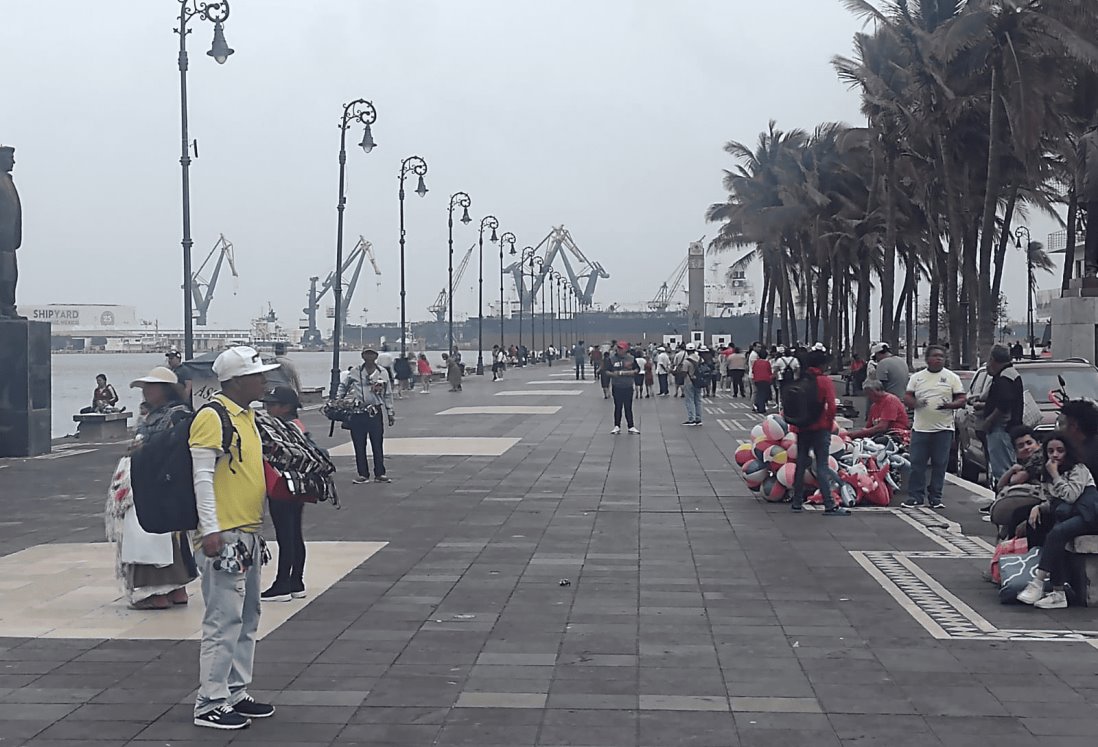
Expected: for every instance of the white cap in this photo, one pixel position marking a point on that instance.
(662, 349)
(703, 349)
(240, 361)
(159, 375)
(820, 346)
(781, 349)
(880, 347)
(691, 346)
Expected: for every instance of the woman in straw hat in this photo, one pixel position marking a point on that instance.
(154, 568)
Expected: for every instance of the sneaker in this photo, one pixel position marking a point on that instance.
(360, 480)
(836, 511)
(986, 517)
(1054, 600)
(698, 423)
(911, 503)
(382, 478)
(615, 430)
(249, 708)
(298, 592)
(635, 431)
(222, 717)
(275, 595)
(796, 507)
(986, 510)
(688, 422)
(1034, 592)
(938, 505)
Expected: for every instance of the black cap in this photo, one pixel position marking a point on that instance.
(282, 395)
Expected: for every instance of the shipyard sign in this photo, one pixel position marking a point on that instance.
(83, 316)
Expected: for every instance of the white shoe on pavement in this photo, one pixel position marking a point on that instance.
(635, 430)
(615, 431)
(1054, 600)
(1033, 592)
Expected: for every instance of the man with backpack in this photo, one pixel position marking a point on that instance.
(677, 365)
(786, 370)
(230, 489)
(692, 385)
(810, 411)
(371, 385)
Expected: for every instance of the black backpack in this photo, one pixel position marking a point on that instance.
(788, 374)
(162, 478)
(801, 404)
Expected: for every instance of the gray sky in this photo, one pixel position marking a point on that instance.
(605, 115)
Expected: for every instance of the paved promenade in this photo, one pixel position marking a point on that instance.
(529, 579)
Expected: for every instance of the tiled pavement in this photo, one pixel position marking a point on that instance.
(693, 614)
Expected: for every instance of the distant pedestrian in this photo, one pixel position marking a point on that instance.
(370, 385)
(737, 368)
(933, 393)
(175, 363)
(1002, 411)
(286, 367)
(550, 354)
(402, 369)
(663, 370)
(638, 379)
(678, 364)
(649, 377)
(579, 355)
(496, 363)
(501, 363)
(814, 398)
(692, 385)
(423, 368)
(1016, 351)
(104, 397)
(762, 375)
(622, 368)
(703, 375)
(282, 402)
(453, 372)
(890, 370)
(604, 374)
(786, 368)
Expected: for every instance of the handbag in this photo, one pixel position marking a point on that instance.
(281, 487)
(1016, 572)
(1016, 546)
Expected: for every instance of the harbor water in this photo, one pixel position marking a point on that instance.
(74, 377)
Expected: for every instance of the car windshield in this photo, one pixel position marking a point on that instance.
(1079, 381)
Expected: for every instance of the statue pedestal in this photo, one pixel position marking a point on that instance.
(1075, 323)
(1082, 288)
(25, 388)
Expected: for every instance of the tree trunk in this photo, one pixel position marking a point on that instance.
(1004, 244)
(888, 271)
(913, 285)
(861, 315)
(988, 302)
(1072, 237)
(762, 304)
(953, 260)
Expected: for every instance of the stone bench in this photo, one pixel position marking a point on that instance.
(313, 395)
(1084, 571)
(103, 426)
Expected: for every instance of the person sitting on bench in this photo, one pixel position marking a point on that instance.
(104, 398)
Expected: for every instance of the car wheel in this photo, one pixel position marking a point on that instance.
(966, 470)
(954, 465)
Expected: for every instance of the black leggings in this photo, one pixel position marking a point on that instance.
(623, 399)
(286, 517)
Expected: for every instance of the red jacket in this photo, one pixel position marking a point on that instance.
(826, 391)
(761, 371)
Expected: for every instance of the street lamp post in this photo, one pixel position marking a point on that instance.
(552, 277)
(527, 253)
(1028, 249)
(456, 199)
(410, 165)
(488, 221)
(541, 272)
(560, 310)
(359, 110)
(217, 13)
(506, 238)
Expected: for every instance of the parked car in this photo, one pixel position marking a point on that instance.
(1041, 377)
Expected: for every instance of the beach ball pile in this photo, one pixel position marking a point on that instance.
(769, 459)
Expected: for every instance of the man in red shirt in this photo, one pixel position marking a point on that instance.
(887, 415)
(761, 375)
(816, 438)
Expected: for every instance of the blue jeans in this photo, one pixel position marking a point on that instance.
(762, 396)
(809, 444)
(933, 448)
(1000, 453)
(229, 626)
(693, 396)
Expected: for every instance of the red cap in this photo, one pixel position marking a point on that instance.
(623, 345)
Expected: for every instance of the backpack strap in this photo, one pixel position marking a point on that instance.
(227, 431)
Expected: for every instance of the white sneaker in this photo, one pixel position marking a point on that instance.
(635, 430)
(1033, 592)
(1054, 600)
(616, 430)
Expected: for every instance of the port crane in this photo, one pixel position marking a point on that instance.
(734, 278)
(202, 290)
(670, 287)
(352, 263)
(582, 277)
(442, 303)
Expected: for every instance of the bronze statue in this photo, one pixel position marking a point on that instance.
(1086, 191)
(11, 234)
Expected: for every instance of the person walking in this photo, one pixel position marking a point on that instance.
(663, 370)
(550, 354)
(622, 367)
(282, 402)
(677, 365)
(762, 376)
(813, 399)
(579, 355)
(501, 363)
(737, 368)
(370, 385)
(933, 393)
(649, 377)
(229, 490)
(423, 368)
(495, 363)
(453, 372)
(692, 385)
(402, 369)
(786, 369)
(1002, 411)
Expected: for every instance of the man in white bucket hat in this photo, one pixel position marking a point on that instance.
(230, 489)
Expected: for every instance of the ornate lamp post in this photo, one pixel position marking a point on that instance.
(506, 238)
(1028, 248)
(552, 276)
(488, 221)
(359, 110)
(456, 199)
(541, 271)
(560, 310)
(216, 13)
(410, 165)
(527, 253)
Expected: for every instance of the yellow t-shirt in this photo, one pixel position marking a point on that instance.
(239, 485)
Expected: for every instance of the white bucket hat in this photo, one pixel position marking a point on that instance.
(240, 361)
(159, 375)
